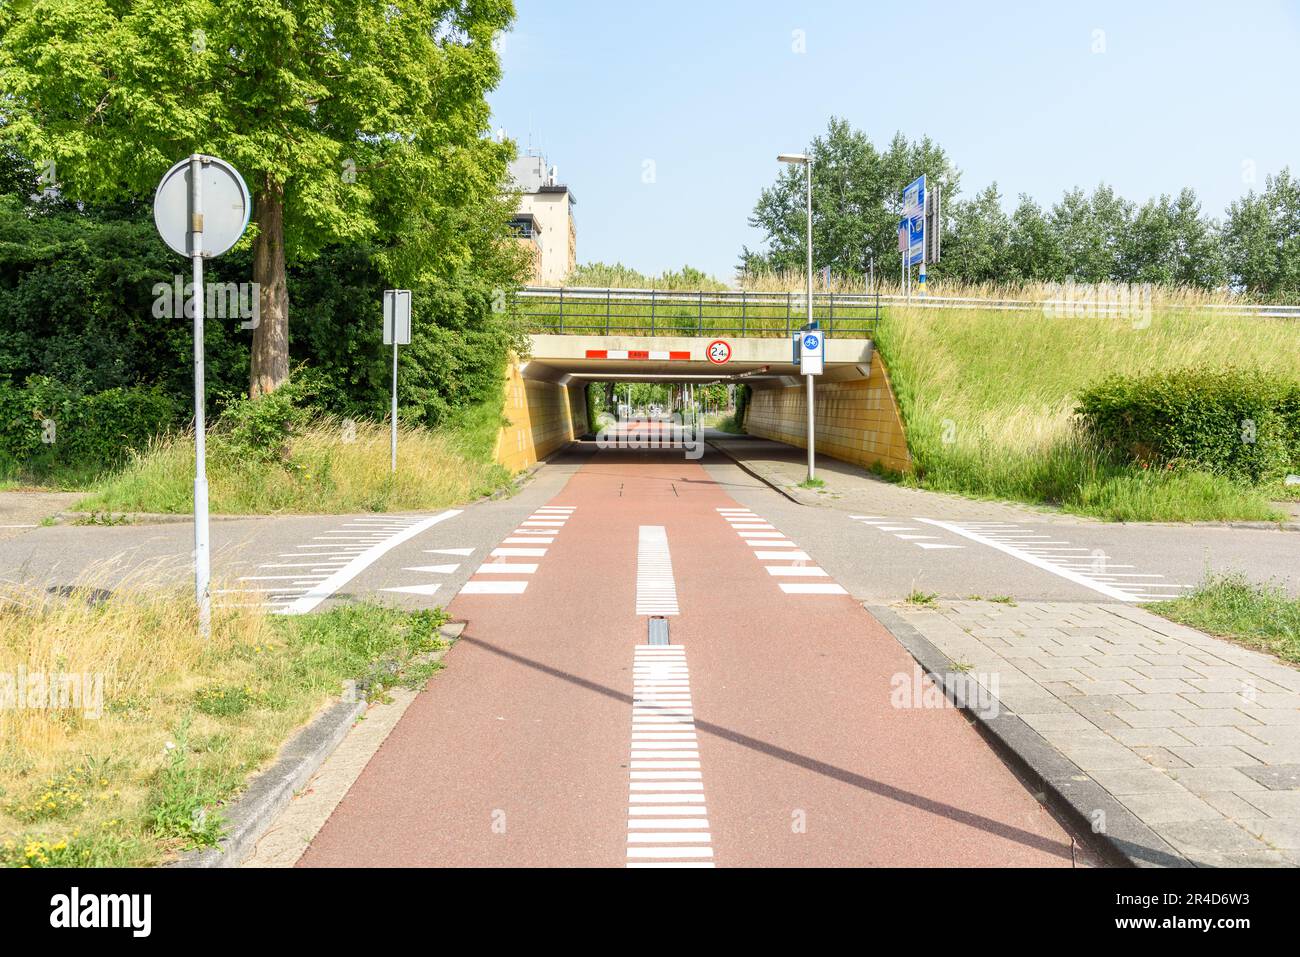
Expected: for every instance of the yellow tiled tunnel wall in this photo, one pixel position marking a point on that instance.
(542, 416)
(857, 419)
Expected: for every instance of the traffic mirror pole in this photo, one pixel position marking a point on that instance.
(202, 559)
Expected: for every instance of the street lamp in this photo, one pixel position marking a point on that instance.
(804, 160)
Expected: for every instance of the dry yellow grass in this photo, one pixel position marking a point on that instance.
(157, 726)
(125, 671)
(333, 467)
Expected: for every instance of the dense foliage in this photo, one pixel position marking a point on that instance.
(1097, 237)
(1242, 424)
(352, 123)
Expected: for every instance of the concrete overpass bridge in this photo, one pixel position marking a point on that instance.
(608, 337)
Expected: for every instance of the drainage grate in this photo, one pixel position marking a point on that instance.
(658, 631)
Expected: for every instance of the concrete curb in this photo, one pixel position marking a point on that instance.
(141, 518)
(249, 817)
(1125, 841)
(797, 495)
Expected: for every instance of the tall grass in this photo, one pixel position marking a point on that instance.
(1262, 616)
(181, 720)
(988, 398)
(331, 466)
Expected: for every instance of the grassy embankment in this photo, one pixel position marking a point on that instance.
(988, 399)
(1230, 606)
(327, 467)
(140, 770)
(988, 395)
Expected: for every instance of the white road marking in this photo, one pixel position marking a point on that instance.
(493, 588)
(929, 545)
(667, 824)
(656, 592)
(806, 571)
(995, 539)
(506, 568)
(768, 543)
(450, 551)
(433, 569)
(761, 534)
(795, 556)
(804, 588)
(277, 578)
(250, 590)
(413, 589)
(361, 562)
(527, 540)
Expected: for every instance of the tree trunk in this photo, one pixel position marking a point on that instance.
(269, 365)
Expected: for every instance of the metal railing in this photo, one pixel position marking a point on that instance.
(1089, 304)
(577, 310)
(658, 312)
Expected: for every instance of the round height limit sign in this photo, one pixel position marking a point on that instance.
(201, 210)
(718, 352)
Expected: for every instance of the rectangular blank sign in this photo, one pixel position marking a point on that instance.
(397, 314)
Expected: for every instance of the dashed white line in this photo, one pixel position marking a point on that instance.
(667, 823)
(656, 591)
(804, 588)
(413, 589)
(493, 588)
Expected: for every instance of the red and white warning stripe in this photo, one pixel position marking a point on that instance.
(656, 355)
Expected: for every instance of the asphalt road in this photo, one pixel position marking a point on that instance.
(766, 733)
(909, 541)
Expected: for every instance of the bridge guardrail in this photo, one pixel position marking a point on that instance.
(577, 310)
(600, 311)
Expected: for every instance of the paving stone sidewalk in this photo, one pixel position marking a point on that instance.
(1197, 736)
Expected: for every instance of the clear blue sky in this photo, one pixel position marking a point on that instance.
(710, 91)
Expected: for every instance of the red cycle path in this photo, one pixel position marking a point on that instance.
(518, 753)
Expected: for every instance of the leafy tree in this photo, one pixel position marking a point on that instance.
(1170, 242)
(976, 244)
(1034, 250)
(1091, 233)
(857, 199)
(351, 120)
(1261, 239)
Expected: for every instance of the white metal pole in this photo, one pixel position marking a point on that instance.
(812, 431)
(394, 412)
(925, 241)
(202, 563)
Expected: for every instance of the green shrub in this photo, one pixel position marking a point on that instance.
(259, 429)
(1243, 424)
(742, 406)
(89, 432)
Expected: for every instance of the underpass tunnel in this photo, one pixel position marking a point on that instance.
(857, 416)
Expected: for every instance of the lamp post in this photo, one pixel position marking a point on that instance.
(804, 160)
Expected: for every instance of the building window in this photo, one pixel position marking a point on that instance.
(524, 228)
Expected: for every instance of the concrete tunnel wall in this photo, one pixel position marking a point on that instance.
(858, 419)
(541, 416)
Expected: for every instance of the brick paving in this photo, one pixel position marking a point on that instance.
(1197, 736)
